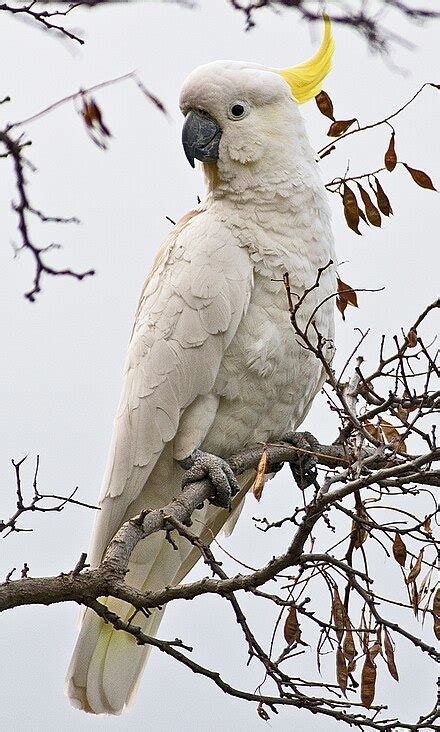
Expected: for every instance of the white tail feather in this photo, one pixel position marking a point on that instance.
(107, 664)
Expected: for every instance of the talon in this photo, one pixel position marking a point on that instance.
(204, 465)
(304, 468)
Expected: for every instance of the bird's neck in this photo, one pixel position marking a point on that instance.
(286, 174)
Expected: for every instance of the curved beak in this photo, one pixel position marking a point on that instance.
(201, 137)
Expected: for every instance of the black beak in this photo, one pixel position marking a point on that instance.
(201, 137)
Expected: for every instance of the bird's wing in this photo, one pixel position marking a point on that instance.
(188, 313)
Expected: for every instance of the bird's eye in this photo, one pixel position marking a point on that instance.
(238, 110)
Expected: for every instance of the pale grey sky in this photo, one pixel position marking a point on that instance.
(61, 364)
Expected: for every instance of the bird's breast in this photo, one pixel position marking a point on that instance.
(266, 381)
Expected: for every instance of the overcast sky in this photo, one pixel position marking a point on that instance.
(62, 357)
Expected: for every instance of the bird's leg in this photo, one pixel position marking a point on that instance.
(201, 465)
(304, 468)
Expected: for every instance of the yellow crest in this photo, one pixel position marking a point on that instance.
(305, 80)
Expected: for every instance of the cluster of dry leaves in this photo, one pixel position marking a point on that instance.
(359, 206)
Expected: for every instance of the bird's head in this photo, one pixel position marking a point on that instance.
(240, 113)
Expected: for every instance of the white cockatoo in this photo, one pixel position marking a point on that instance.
(213, 363)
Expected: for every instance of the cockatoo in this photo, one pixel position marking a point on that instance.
(213, 363)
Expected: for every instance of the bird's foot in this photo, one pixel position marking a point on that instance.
(205, 465)
(304, 468)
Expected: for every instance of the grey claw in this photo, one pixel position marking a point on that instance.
(304, 468)
(205, 465)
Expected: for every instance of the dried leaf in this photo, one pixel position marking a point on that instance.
(363, 217)
(365, 634)
(392, 436)
(422, 179)
(411, 338)
(338, 611)
(351, 209)
(262, 712)
(375, 649)
(371, 211)
(390, 155)
(341, 307)
(93, 116)
(399, 550)
(341, 670)
(94, 122)
(359, 532)
(348, 647)
(151, 97)
(415, 569)
(258, 485)
(292, 631)
(389, 653)
(339, 127)
(427, 525)
(373, 430)
(436, 613)
(403, 413)
(346, 296)
(325, 104)
(382, 199)
(415, 598)
(368, 681)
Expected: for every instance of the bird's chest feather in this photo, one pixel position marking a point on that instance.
(267, 380)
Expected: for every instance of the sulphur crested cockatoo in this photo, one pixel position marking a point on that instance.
(213, 363)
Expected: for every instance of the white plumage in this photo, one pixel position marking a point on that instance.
(213, 362)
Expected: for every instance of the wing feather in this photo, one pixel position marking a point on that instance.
(188, 313)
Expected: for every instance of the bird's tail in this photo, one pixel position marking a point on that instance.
(107, 664)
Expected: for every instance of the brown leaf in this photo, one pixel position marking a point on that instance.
(390, 155)
(292, 631)
(389, 653)
(415, 598)
(399, 549)
(392, 436)
(258, 485)
(373, 214)
(373, 430)
(339, 127)
(436, 613)
(368, 681)
(374, 650)
(338, 611)
(365, 634)
(382, 199)
(359, 532)
(93, 116)
(427, 525)
(262, 712)
(351, 209)
(346, 296)
(151, 97)
(348, 647)
(325, 104)
(415, 569)
(341, 307)
(411, 338)
(341, 670)
(363, 217)
(422, 179)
